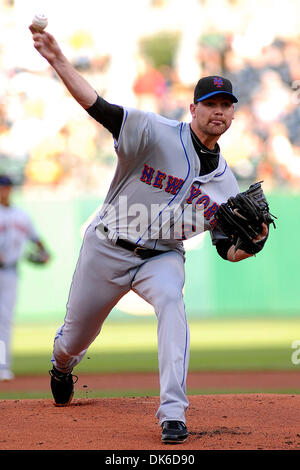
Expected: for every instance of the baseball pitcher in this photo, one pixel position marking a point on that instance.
(169, 184)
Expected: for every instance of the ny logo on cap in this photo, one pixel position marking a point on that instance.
(218, 82)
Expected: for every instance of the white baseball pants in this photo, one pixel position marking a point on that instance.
(8, 294)
(104, 273)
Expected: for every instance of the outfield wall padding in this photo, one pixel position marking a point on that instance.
(265, 285)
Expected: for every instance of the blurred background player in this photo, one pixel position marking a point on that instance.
(16, 227)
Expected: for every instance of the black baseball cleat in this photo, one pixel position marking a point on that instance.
(62, 386)
(174, 432)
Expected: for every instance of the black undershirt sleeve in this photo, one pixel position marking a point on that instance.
(222, 247)
(107, 114)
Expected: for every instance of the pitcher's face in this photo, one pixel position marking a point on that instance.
(5, 195)
(213, 116)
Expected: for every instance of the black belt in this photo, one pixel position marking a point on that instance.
(8, 266)
(140, 251)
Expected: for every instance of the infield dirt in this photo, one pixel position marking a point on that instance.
(254, 421)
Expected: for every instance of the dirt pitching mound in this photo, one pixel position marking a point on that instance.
(250, 421)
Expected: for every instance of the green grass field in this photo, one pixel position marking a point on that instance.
(131, 346)
(235, 344)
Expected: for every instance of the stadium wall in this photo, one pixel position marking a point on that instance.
(265, 285)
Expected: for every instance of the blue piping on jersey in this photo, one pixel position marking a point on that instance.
(220, 174)
(185, 351)
(60, 332)
(170, 202)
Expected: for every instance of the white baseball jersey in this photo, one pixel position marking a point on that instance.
(15, 228)
(157, 198)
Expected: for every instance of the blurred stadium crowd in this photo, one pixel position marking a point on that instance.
(47, 140)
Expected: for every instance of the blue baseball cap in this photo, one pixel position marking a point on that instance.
(211, 86)
(5, 181)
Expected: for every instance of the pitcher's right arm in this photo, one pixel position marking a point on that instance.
(79, 88)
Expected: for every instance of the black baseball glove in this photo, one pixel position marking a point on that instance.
(242, 216)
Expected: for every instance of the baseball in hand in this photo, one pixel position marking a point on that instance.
(39, 21)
